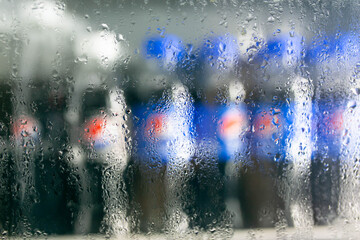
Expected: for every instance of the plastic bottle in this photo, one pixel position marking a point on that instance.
(98, 127)
(163, 112)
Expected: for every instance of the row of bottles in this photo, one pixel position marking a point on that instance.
(177, 137)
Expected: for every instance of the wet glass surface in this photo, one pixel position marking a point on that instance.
(179, 119)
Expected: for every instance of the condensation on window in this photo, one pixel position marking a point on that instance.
(191, 119)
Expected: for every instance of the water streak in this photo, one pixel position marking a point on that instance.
(299, 151)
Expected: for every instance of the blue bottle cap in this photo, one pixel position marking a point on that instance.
(168, 50)
(289, 49)
(340, 47)
(220, 51)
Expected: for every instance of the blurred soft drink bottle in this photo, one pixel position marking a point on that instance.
(163, 112)
(39, 93)
(278, 69)
(335, 67)
(329, 107)
(98, 133)
(221, 124)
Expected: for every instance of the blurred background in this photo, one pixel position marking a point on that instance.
(179, 118)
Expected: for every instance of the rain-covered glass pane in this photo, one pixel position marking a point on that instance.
(189, 119)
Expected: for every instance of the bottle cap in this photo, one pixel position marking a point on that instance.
(220, 52)
(168, 50)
